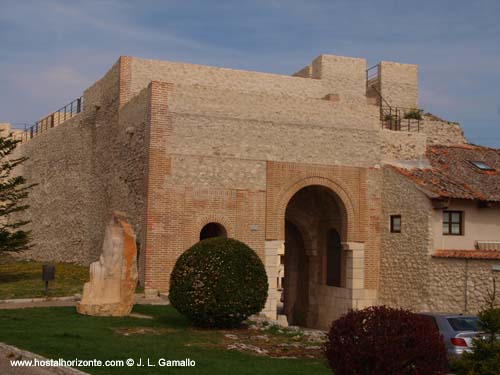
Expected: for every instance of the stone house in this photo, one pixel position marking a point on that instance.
(309, 170)
(444, 247)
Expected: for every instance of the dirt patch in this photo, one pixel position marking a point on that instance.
(272, 345)
(262, 338)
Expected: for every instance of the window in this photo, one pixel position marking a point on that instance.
(481, 165)
(395, 223)
(464, 324)
(453, 223)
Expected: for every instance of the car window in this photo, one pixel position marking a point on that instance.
(464, 323)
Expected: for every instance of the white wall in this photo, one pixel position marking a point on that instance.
(481, 224)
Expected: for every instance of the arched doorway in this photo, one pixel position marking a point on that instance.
(315, 223)
(212, 230)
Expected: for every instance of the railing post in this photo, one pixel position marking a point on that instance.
(52, 120)
(78, 105)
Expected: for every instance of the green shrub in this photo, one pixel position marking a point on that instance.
(485, 359)
(413, 113)
(218, 282)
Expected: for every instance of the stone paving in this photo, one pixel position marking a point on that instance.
(8, 353)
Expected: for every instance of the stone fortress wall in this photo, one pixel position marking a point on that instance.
(176, 146)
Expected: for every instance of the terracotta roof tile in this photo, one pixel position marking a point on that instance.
(452, 175)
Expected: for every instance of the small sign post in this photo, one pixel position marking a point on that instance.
(48, 274)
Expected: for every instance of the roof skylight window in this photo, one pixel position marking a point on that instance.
(481, 165)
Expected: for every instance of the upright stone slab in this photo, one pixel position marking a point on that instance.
(113, 279)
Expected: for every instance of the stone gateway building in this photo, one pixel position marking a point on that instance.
(348, 193)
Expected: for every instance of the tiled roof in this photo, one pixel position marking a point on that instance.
(467, 254)
(452, 175)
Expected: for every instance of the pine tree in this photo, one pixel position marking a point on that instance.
(13, 193)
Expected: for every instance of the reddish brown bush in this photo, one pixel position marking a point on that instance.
(383, 341)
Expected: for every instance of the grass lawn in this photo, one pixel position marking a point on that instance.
(60, 332)
(23, 279)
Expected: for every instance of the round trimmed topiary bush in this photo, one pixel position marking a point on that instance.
(218, 282)
(383, 341)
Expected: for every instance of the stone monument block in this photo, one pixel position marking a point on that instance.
(113, 278)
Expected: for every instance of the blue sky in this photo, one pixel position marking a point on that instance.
(51, 50)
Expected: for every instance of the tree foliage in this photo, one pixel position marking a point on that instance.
(13, 193)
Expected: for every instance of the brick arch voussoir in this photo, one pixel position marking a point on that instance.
(336, 187)
(213, 218)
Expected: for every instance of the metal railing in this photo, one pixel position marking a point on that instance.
(399, 119)
(372, 73)
(488, 245)
(54, 119)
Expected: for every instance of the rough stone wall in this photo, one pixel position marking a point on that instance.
(102, 147)
(442, 132)
(344, 113)
(87, 167)
(118, 158)
(460, 285)
(404, 257)
(129, 157)
(271, 141)
(145, 71)
(345, 75)
(333, 75)
(305, 72)
(61, 204)
(400, 145)
(217, 172)
(104, 91)
(399, 84)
